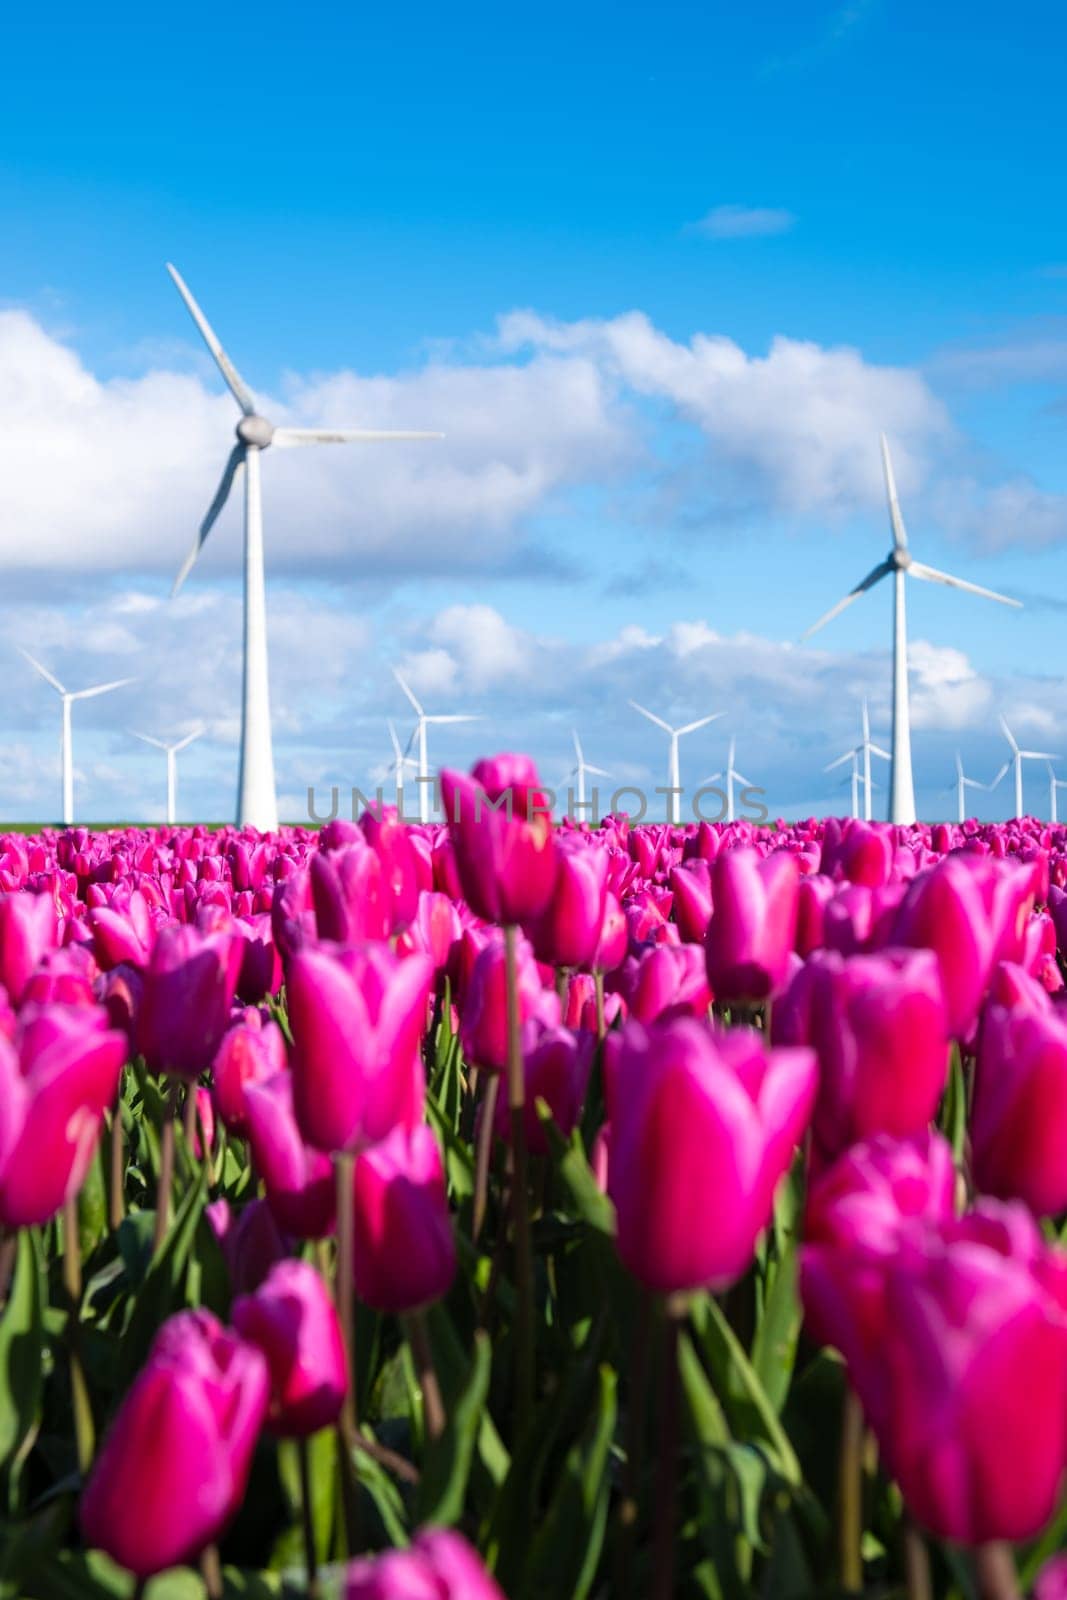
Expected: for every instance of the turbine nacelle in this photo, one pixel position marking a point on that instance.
(255, 430)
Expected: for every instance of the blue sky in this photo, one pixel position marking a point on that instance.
(660, 274)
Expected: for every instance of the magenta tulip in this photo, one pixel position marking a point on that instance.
(250, 1242)
(567, 932)
(404, 1255)
(298, 1179)
(28, 930)
(292, 1320)
(251, 1051)
(556, 1064)
(502, 838)
(439, 1564)
(484, 1009)
(753, 924)
(691, 889)
(189, 985)
(703, 1125)
(358, 1017)
(174, 1465)
(1019, 1118)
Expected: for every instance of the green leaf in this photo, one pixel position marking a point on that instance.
(21, 1357)
(566, 1550)
(443, 1484)
(775, 1347)
(161, 1293)
(737, 1381)
(589, 1200)
(322, 1473)
(452, 1366)
(458, 1155)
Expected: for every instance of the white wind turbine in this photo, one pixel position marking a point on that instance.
(400, 761)
(732, 776)
(419, 735)
(963, 783)
(854, 777)
(1016, 762)
(868, 749)
(257, 803)
(1054, 783)
(579, 770)
(172, 764)
(68, 698)
(674, 784)
(901, 563)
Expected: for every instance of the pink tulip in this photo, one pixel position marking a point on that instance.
(703, 1125)
(57, 1077)
(556, 1064)
(251, 1051)
(877, 1024)
(394, 845)
(292, 1320)
(567, 932)
(352, 899)
(250, 1242)
(28, 929)
(506, 857)
(174, 1465)
(404, 1255)
(665, 982)
(357, 1017)
(189, 986)
(1051, 1581)
(1019, 1118)
(439, 1564)
(484, 1010)
(691, 888)
(753, 924)
(298, 1179)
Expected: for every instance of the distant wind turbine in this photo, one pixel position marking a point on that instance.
(1054, 783)
(732, 776)
(900, 563)
(854, 777)
(1016, 762)
(963, 783)
(674, 783)
(868, 749)
(257, 803)
(579, 771)
(400, 761)
(172, 764)
(68, 698)
(419, 735)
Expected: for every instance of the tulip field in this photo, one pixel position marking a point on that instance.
(501, 1208)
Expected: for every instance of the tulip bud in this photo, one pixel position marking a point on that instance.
(292, 1320)
(189, 986)
(567, 932)
(403, 1251)
(298, 1179)
(556, 1064)
(28, 930)
(439, 1564)
(1019, 1118)
(484, 1013)
(502, 838)
(251, 1051)
(753, 924)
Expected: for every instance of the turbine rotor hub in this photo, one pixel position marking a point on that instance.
(255, 430)
(900, 560)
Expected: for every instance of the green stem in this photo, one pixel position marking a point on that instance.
(307, 1519)
(211, 1571)
(484, 1153)
(524, 1302)
(994, 1570)
(84, 1430)
(117, 1166)
(422, 1354)
(916, 1563)
(637, 1410)
(166, 1170)
(344, 1297)
(850, 1495)
(598, 989)
(663, 1550)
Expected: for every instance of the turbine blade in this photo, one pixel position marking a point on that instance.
(189, 737)
(1005, 768)
(289, 438)
(577, 745)
(395, 741)
(234, 382)
(1009, 735)
(848, 756)
(739, 777)
(408, 692)
(691, 727)
(222, 494)
(457, 716)
(102, 688)
(651, 717)
(713, 779)
(45, 674)
(959, 765)
(146, 738)
(900, 537)
(919, 569)
(598, 772)
(1038, 755)
(876, 574)
(876, 750)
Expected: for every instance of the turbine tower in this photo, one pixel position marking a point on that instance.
(674, 784)
(898, 564)
(579, 770)
(400, 761)
(68, 698)
(419, 734)
(257, 802)
(1016, 762)
(853, 778)
(1054, 783)
(731, 775)
(172, 764)
(962, 784)
(868, 749)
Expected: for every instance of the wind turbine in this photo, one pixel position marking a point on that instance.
(962, 784)
(66, 739)
(1054, 783)
(731, 775)
(257, 803)
(400, 761)
(172, 764)
(868, 749)
(420, 735)
(674, 784)
(580, 769)
(854, 777)
(900, 563)
(1017, 758)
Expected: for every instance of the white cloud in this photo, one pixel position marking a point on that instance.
(743, 222)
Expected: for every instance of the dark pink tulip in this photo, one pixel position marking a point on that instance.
(484, 1008)
(703, 1125)
(28, 930)
(614, 937)
(691, 909)
(666, 982)
(123, 934)
(119, 992)
(292, 1320)
(858, 920)
(978, 1450)
(434, 930)
(351, 896)
(251, 1051)
(403, 1251)
(813, 896)
(57, 1077)
(1051, 1581)
(298, 1179)
(250, 1242)
(65, 976)
(358, 1017)
(878, 1026)
(753, 924)
(556, 1064)
(506, 857)
(174, 1465)
(392, 842)
(189, 986)
(439, 1564)
(567, 932)
(261, 966)
(1019, 1118)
